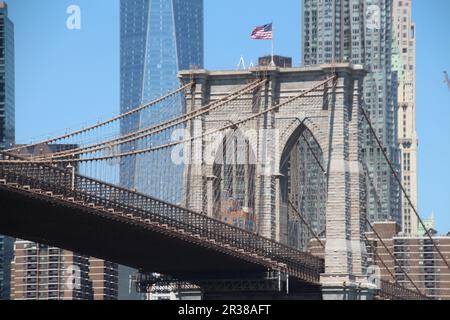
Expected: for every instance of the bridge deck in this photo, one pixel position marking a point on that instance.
(105, 235)
(47, 205)
(51, 206)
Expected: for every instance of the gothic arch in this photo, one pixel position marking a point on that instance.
(302, 185)
(233, 188)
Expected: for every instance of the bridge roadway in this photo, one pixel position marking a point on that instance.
(56, 207)
(52, 206)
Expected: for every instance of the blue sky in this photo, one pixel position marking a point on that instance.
(65, 79)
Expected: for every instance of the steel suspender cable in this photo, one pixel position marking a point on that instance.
(394, 172)
(153, 149)
(307, 224)
(126, 114)
(139, 135)
(381, 260)
(383, 243)
(368, 241)
(314, 155)
(368, 222)
(394, 258)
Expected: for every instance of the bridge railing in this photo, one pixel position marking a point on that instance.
(393, 291)
(64, 182)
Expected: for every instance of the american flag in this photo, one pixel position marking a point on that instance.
(263, 32)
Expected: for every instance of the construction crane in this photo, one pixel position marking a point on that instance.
(447, 80)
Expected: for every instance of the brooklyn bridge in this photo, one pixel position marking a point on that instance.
(271, 164)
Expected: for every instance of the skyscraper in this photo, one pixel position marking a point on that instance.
(360, 31)
(7, 133)
(157, 39)
(405, 65)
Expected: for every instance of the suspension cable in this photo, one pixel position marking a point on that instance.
(376, 233)
(399, 181)
(139, 135)
(378, 198)
(316, 158)
(381, 260)
(366, 169)
(307, 224)
(114, 119)
(309, 147)
(394, 258)
(367, 240)
(172, 144)
(379, 257)
(314, 155)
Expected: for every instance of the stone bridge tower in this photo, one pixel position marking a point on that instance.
(257, 183)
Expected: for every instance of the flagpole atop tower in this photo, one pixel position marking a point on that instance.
(272, 62)
(265, 32)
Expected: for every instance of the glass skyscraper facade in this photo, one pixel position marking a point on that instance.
(158, 38)
(7, 129)
(360, 31)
